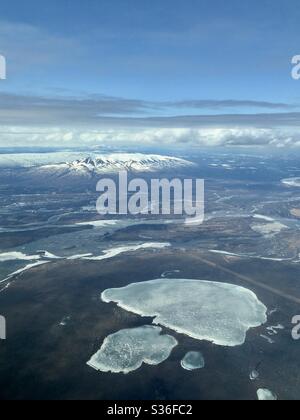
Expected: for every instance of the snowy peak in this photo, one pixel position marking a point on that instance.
(113, 163)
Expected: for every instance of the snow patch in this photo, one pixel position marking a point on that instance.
(116, 162)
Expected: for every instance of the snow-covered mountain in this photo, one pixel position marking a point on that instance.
(112, 163)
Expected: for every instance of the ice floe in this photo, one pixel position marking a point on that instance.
(22, 270)
(13, 256)
(113, 252)
(79, 256)
(126, 350)
(193, 360)
(262, 217)
(49, 255)
(220, 313)
(5, 287)
(254, 375)
(99, 223)
(64, 322)
(268, 339)
(230, 254)
(272, 311)
(169, 273)
(16, 255)
(266, 395)
(273, 330)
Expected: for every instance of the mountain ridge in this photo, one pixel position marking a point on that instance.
(112, 163)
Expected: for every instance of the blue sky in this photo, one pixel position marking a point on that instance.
(102, 65)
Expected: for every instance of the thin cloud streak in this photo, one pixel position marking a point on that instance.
(105, 111)
(229, 103)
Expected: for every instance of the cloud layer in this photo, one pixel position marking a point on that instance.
(184, 137)
(21, 109)
(95, 120)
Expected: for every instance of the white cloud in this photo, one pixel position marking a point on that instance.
(196, 137)
(206, 137)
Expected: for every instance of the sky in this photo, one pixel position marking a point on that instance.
(174, 72)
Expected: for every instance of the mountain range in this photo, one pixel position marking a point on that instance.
(113, 163)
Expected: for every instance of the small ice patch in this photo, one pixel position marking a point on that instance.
(79, 256)
(49, 255)
(266, 395)
(268, 339)
(5, 287)
(99, 223)
(14, 256)
(220, 313)
(254, 375)
(272, 311)
(262, 217)
(64, 322)
(22, 270)
(126, 350)
(169, 273)
(114, 252)
(193, 360)
(273, 330)
(269, 230)
(229, 254)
